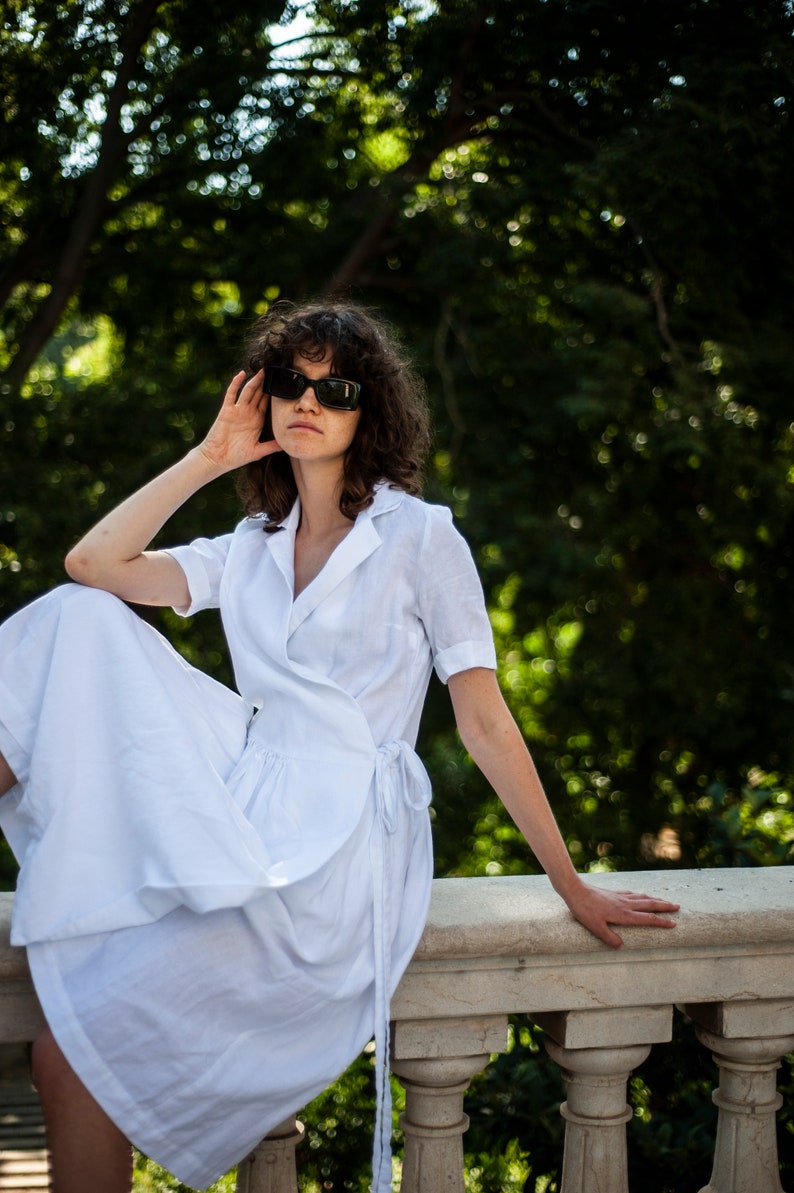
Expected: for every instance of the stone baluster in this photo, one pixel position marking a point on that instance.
(747, 1041)
(270, 1167)
(597, 1051)
(435, 1061)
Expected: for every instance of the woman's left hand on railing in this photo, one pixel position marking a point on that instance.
(597, 909)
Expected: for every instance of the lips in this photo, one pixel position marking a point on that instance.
(301, 426)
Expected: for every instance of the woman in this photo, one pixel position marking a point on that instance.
(217, 905)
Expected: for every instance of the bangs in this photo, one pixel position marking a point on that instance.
(314, 332)
(340, 365)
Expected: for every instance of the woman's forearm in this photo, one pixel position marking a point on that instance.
(494, 741)
(506, 763)
(112, 555)
(129, 528)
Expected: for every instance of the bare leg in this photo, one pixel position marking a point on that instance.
(7, 777)
(87, 1150)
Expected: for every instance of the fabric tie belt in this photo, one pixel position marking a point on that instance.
(400, 778)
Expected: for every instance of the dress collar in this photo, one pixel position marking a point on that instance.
(385, 498)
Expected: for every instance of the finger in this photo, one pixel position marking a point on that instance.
(637, 919)
(649, 902)
(642, 919)
(251, 392)
(606, 934)
(234, 388)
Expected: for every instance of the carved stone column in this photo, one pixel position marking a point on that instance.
(270, 1167)
(748, 1057)
(597, 1051)
(435, 1061)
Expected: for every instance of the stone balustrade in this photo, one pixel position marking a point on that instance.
(498, 946)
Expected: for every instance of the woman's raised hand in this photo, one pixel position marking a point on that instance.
(233, 439)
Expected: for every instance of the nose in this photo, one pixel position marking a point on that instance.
(308, 399)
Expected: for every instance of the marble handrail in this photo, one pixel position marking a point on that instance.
(497, 946)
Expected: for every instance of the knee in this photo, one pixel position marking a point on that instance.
(83, 594)
(81, 605)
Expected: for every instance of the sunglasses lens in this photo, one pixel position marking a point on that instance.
(339, 395)
(283, 383)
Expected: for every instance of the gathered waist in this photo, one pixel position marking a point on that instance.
(394, 765)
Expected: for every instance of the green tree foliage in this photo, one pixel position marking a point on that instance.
(582, 228)
(577, 213)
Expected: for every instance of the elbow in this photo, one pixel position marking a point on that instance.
(481, 715)
(78, 567)
(474, 736)
(488, 738)
(72, 565)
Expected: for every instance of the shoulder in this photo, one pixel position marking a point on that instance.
(423, 534)
(408, 523)
(247, 537)
(255, 524)
(398, 509)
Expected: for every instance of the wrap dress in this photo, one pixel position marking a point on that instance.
(220, 890)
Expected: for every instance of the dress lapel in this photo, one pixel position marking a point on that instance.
(281, 544)
(354, 548)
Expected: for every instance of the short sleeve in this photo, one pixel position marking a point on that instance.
(203, 562)
(451, 601)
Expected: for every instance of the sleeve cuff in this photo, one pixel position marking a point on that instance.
(462, 657)
(197, 581)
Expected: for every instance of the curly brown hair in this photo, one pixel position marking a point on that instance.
(393, 433)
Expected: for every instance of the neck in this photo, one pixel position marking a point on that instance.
(319, 489)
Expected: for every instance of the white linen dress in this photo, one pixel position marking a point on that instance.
(219, 892)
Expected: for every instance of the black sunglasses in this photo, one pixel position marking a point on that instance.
(289, 384)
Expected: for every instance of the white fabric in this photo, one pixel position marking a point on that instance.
(217, 907)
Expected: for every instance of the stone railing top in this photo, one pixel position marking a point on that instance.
(522, 916)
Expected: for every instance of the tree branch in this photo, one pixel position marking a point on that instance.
(371, 240)
(364, 249)
(72, 264)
